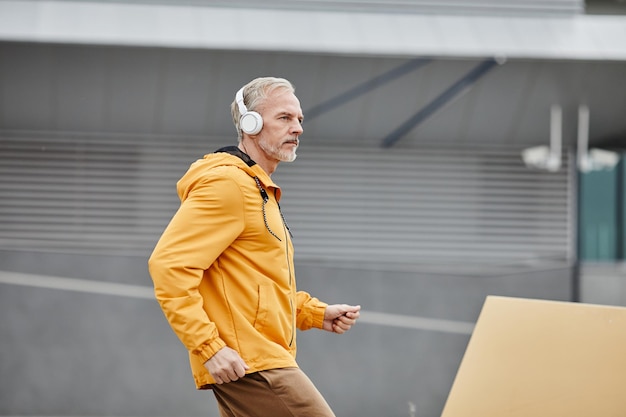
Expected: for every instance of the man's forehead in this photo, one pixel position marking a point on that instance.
(282, 101)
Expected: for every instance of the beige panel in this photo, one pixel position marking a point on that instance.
(532, 358)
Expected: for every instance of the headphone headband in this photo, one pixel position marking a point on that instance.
(239, 99)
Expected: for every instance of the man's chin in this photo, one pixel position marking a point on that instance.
(289, 158)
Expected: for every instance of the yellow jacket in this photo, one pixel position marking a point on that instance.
(223, 269)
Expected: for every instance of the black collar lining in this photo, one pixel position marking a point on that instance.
(235, 151)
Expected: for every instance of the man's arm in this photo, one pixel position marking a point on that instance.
(309, 312)
(207, 222)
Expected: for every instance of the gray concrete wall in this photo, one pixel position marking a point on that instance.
(80, 353)
(603, 283)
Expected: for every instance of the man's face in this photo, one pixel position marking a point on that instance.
(282, 125)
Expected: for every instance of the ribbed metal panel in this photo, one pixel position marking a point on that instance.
(85, 194)
(425, 206)
(399, 6)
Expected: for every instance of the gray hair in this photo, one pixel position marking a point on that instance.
(254, 93)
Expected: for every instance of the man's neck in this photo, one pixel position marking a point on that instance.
(252, 150)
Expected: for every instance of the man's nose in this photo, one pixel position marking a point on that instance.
(297, 128)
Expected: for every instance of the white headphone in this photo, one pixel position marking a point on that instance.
(250, 122)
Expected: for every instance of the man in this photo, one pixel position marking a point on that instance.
(223, 269)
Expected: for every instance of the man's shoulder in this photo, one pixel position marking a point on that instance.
(232, 172)
(208, 177)
(227, 177)
(216, 165)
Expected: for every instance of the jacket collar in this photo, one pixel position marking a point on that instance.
(258, 174)
(235, 151)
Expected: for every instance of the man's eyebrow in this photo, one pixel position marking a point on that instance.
(288, 113)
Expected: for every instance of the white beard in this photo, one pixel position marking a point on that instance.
(277, 153)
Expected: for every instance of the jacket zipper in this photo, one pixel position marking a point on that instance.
(287, 231)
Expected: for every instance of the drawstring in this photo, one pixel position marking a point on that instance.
(265, 200)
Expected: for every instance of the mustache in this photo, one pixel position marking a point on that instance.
(292, 140)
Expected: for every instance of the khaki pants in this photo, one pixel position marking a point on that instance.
(286, 392)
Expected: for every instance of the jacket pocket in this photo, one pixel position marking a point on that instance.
(260, 319)
(273, 316)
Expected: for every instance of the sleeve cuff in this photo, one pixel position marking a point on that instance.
(318, 315)
(206, 351)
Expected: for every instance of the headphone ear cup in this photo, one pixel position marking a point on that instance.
(251, 122)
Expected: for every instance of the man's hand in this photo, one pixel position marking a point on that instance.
(226, 366)
(339, 318)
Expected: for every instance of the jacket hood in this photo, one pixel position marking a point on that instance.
(227, 156)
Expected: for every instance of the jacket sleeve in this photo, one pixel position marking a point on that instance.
(209, 219)
(310, 311)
